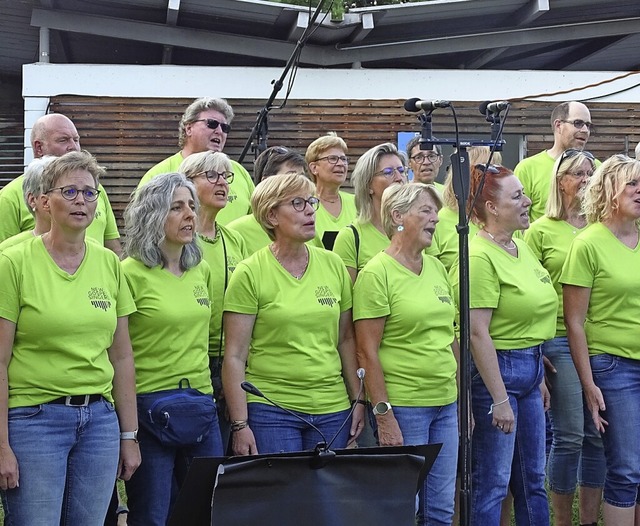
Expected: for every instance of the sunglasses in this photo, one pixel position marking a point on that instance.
(578, 124)
(490, 168)
(213, 124)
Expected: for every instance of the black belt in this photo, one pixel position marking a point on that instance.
(77, 400)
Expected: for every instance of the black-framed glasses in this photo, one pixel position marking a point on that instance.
(578, 124)
(213, 177)
(388, 172)
(422, 157)
(71, 192)
(212, 124)
(299, 203)
(333, 159)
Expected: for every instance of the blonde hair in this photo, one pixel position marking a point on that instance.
(321, 145)
(603, 190)
(401, 198)
(477, 155)
(272, 192)
(564, 165)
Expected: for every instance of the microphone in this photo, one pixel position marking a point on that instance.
(493, 107)
(360, 374)
(252, 389)
(416, 104)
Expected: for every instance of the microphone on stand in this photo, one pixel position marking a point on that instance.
(416, 104)
(493, 107)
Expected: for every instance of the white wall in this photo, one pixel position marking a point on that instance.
(42, 81)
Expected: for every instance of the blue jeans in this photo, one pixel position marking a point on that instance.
(276, 431)
(432, 425)
(68, 459)
(619, 380)
(154, 486)
(577, 455)
(500, 461)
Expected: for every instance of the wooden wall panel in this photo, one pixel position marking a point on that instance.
(129, 135)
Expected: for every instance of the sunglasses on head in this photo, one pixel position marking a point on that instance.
(491, 168)
(212, 124)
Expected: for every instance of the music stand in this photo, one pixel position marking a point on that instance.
(373, 486)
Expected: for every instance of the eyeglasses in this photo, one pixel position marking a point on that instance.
(579, 124)
(388, 172)
(213, 177)
(572, 152)
(333, 159)
(213, 124)
(71, 192)
(581, 173)
(299, 203)
(421, 157)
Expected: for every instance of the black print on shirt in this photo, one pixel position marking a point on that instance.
(543, 276)
(442, 294)
(201, 295)
(325, 296)
(99, 299)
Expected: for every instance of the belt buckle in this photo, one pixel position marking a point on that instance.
(68, 402)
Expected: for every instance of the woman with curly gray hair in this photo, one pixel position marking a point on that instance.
(172, 288)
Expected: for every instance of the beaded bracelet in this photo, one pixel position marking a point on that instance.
(238, 425)
(495, 405)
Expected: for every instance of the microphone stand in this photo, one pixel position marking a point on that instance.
(261, 127)
(461, 182)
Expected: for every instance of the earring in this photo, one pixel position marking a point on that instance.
(400, 228)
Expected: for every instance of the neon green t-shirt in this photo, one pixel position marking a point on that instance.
(229, 244)
(64, 322)
(415, 351)
(550, 239)
(372, 241)
(16, 240)
(518, 289)
(329, 225)
(445, 238)
(170, 329)
(599, 261)
(293, 356)
(238, 200)
(15, 217)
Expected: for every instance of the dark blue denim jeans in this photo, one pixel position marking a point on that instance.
(619, 380)
(154, 486)
(517, 459)
(276, 431)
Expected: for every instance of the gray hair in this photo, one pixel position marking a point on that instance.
(146, 215)
(415, 141)
(194, 110)
(401, 198)
(32, 182)
(205, 161)
(363, 174)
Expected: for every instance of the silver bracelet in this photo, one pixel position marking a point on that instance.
(499, 403)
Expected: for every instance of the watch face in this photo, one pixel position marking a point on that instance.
(381, 408)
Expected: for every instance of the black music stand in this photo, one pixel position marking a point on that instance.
(372, 486)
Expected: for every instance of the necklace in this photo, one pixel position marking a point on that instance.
(330, 200)
(509, 246)
(297, 275)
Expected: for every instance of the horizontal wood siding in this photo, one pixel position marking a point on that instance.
(129, 135)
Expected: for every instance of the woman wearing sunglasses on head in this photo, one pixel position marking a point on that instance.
(601, 292)
(576, 455)
(513, 311)
(328, 166)
(288, 330)
(173, 290)
(68, 395)
(221, 247)
(376, 170)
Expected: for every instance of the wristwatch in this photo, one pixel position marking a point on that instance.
(129, 435)
(381, 408)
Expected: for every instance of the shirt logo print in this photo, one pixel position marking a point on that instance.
(543, 276)
(442, 294)
(325, 296)
(99, 299)
(201, 295)
(231, 198)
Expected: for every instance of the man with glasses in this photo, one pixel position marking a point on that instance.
(425, 164)
(54, 134)
(204, 126)
(572, 126)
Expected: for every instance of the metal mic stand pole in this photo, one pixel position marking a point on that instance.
(261, 125)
